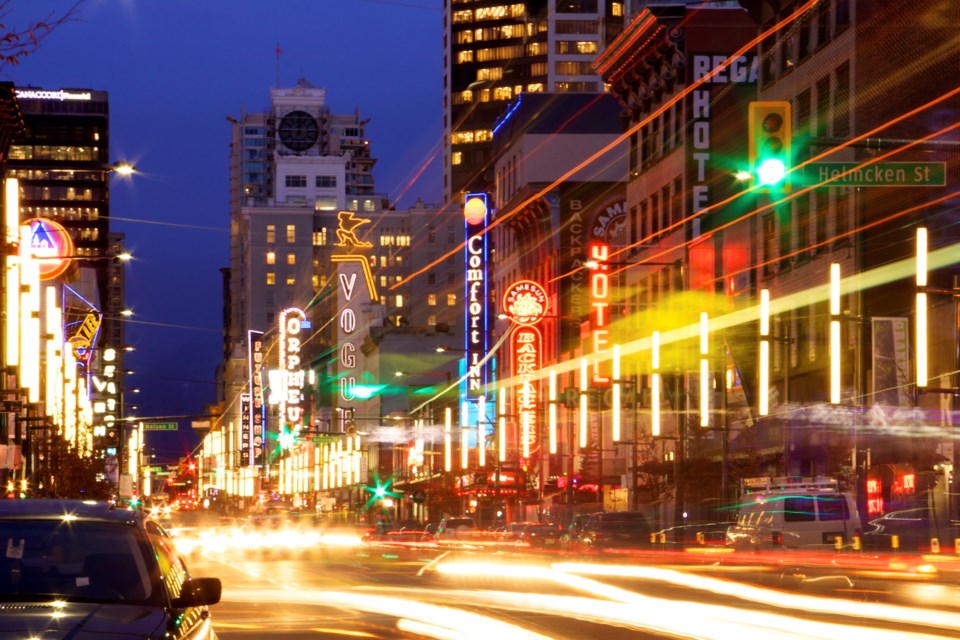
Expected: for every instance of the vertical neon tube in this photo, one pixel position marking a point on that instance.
(921, 339)
(552, 411)
(763, 393)
(655, 384)
(481, 432)
(11, 293)
(583, 402)
(502, 426)
(447, 439)
(616, 393)
(464, 441)
(704, 370)
(834, 333)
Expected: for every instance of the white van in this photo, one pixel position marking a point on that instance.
(794, 513)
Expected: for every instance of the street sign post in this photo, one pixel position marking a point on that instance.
(879, 174)
(160, 426)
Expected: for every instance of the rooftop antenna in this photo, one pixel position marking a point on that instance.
(278, 65)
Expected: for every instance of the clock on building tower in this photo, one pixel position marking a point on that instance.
(298, 130)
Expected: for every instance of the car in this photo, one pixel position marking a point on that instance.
(451, 526)
(615, 530)
(540, 534)
(87, 569)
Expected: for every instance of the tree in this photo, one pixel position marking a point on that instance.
(19, 41)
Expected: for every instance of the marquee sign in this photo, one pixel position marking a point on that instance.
(50, 245)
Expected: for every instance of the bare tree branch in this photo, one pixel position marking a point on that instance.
(17, 42)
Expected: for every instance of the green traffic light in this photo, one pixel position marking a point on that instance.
(771, 171)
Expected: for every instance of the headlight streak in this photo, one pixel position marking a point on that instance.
(866, 610)
(440, 618)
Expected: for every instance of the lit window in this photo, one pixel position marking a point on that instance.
(271, 278)
(451, 299)
(271, 257)
(315, 281)
(271, 234)
(456, 158)
(291, 258)
(465, 56)
(431, 299)
(291, 233)
(399, 300)
(325, 203)
(291, 280)
(432, 320)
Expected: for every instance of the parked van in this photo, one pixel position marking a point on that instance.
(794, 513)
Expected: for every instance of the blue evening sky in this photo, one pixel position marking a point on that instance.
(175, 69)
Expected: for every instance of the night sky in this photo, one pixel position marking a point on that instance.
(175, 70)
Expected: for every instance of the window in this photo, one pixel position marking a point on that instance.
(823, 106)
(769, 239)
(431, 299)
(451, 299)
(432, 279)
(325, 203)
(399, 300)
(291, 233)
(271, 234)
(271, 278)
(798, 509)
(803, 224)
(841, 101)
(296, 181)
(832, 508)
(327, 182)
(291, 258)
(432, 320)
(271, 257)
(823, 24)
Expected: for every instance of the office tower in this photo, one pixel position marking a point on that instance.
(494, 51)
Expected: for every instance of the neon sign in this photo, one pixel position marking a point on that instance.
(599, 307)
(50, 245)
(291, 326)
(252, 437)
(525, 302)
(475, 212)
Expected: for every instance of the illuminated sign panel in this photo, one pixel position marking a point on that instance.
(475, 215)
(599, 309)
(291, 328)
(353, 277)
(50, 245)
(48, 94)
(526, 349)
(254, 441)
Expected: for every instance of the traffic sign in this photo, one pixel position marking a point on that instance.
(879, 174)
(160, 426)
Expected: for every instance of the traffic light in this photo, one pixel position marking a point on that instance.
(769, 131)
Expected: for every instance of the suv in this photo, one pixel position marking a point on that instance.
(99, 571)
(615, 530)
(794, 513)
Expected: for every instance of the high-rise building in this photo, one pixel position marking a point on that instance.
(494, 51)
(315, 250)
(62, 164)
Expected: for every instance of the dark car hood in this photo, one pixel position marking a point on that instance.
(79, 621)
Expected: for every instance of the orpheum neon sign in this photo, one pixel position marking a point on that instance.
(525, 303)
(291, 328)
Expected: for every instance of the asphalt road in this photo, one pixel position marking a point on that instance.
(322, 589)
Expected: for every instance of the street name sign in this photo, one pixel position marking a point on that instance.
(160, 426)
(879, 174)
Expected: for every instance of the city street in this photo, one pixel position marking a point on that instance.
(416, 590)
